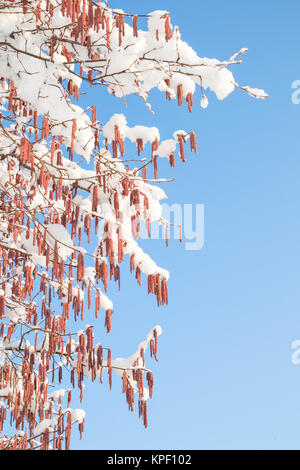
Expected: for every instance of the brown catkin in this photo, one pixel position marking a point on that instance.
(94, 114)
(181, 147)
(168, 30)
(80, 267)
(107, 323)
(145, 417)
(193, 142)
(179, 95)
(134, 26)
(189, 99)
(95, 200)
(2, 306)
(155, 167)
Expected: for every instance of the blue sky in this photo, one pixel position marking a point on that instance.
(224, 379)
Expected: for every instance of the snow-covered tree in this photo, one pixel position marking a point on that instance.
(64, 177)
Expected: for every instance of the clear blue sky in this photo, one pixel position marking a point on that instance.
(225, 379)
